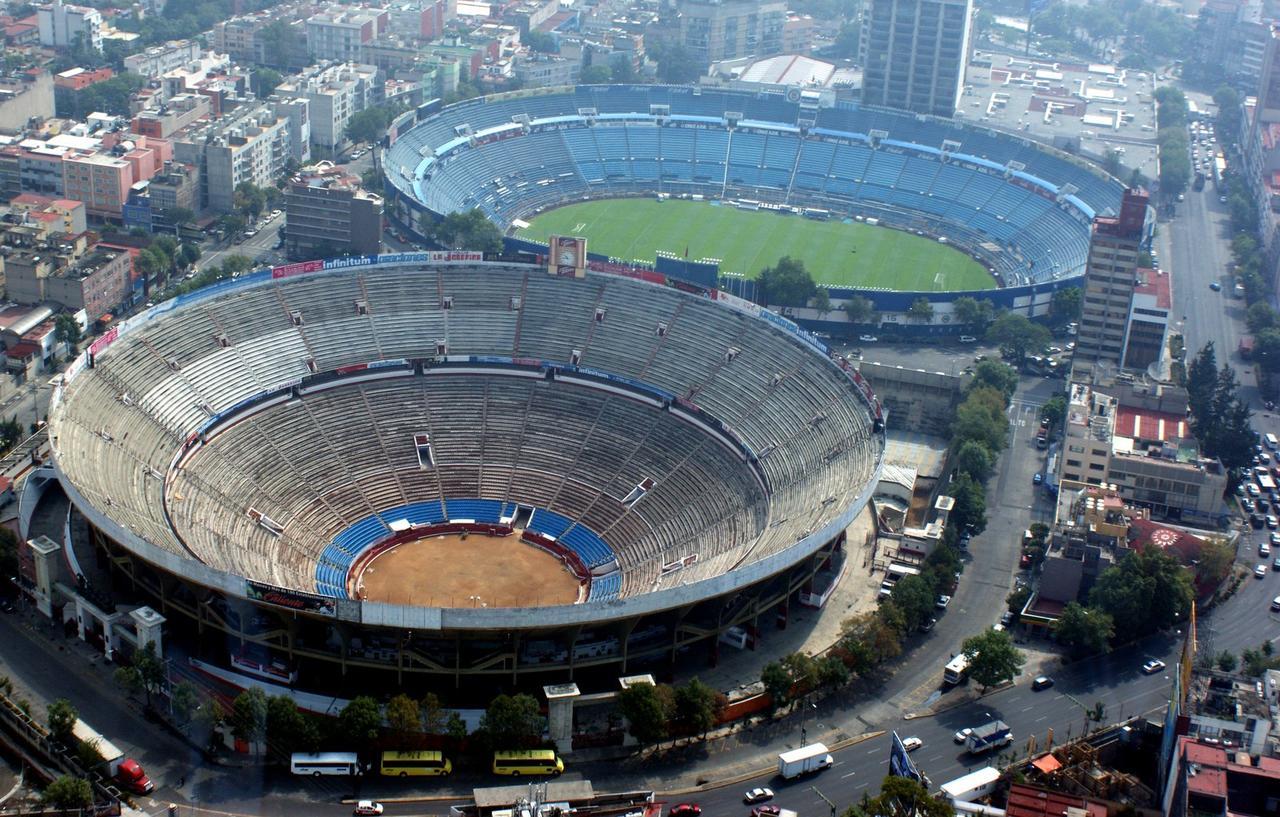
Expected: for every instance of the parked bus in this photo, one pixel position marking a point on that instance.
(318, 763)
(957, 670)
(415, 764)
(527, 761)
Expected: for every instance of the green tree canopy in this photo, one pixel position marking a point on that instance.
(1147, 591)
(1217, 554)
(786, 283)
(1017, 336)
(540, 41)
(996, 375)
(404, 715)
(248, 716)
(66, 330)
(973, 312)
(1055, 410)
(360, 721)
(868, 640)
(468, 230)
(512, 720)
(61, 719)
(289, 729)
(370, 124)
(648, 710)
(698, 706)
(1084, 630)
(915, 597)
(975, 459)
(68, 792)
(860, 310)
(1065, 306)
(920, 310)
(901, 797)
(970, 509)
(993, 659)
(598, 74)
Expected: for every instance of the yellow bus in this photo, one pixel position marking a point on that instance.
(415, 764)
(527, 761)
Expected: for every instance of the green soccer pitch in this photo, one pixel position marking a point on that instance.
(746, 241)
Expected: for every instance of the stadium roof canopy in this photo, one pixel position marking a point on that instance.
(789, 69)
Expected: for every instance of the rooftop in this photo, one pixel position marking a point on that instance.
(1154, 283)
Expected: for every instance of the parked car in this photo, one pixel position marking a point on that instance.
(685, 810)
(1275, 603)
(758, 795)
(1215, 286)
(942, 602)
(1260, 571)
(1152, 667)
(868, 338)
(1042, 682)
(1037, 479)
(968, 339)
(766, 811)
(367, 807)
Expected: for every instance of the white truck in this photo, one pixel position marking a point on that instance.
(972, 786)
(806, 759)
(989, 736)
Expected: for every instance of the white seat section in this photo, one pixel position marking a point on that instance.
(320, 463)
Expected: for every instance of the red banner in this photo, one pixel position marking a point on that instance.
(299, 268)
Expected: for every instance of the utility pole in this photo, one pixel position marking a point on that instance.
(814, 789)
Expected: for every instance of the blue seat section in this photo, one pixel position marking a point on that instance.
(589, 547)
(480, 510)
(606, 588)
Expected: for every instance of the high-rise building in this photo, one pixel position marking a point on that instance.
(251, 145)
(914, 54)
(1109, 283)
(341, 34)
(335, 93)
(715, 30)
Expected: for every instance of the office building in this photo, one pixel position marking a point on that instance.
(1109, 283)
(327, 213)
(63, 25)
(915, 53)
(715, 30)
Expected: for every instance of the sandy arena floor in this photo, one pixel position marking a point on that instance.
(447, 571)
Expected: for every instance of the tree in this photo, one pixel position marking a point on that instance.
(698, 706)
(69, 793)
(404, 715)
(981, 417)
(1260, 316)
(434, 717)
(180, 216)
(185, 700)
(1065, 306)
(66, 330)
(920, 310)
(1226, 661)
(288, 729)
(860, 310)
(360, 720)
(847, 41)
(1202, 378)
(647, 711)
(1216, 557)
(786, 283)
(189, 254)
(249, 198)
(1147, 591)
(595, 75)
(992, 658)
(1266, 348)
(833, 672)
(869, 639)
(540, 41)
(1111, 162)
(512, 720)
(915, 597)
(370, 124)
(1084, 630)
(8, 553)
(248, 716)
(821, 300)
(1017, 336)
(901, 797)
(1054, 410)
(974, 459)
(972, 312)
(970, 509)
(676, 66)
(265, 81)
(469, 230)
(996, 375)
(61, 719)
(150, 669)
(777, 683)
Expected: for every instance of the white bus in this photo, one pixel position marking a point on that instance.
(957, 670)
(318, 763)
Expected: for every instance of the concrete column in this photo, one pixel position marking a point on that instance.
(43, 552)
(560, 698)
(147, 624)
(80, 615)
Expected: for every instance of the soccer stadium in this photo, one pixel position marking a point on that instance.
(1021, 210)
(431, 463)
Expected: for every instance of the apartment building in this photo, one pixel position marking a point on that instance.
(1109, 283)
(25, 97)
(339, 35)
(1148, 322)
(915, 53)
(96, 282)
(160, 59)
(327, 211)
(251, 145)
(167, 118)
(63, 25)
(334, 93)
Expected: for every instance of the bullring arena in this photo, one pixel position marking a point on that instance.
(435, 463)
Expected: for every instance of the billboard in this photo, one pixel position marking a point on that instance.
(567, 256)
(292, 599)
(900, 764)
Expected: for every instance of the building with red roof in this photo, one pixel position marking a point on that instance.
(1148, 327)
(1033, 801)
(1210, 779)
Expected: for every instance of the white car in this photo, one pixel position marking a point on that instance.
(943, 601)
(963, 734)
(367, 807)
(912, 743)
(1152, 667)
(757, 796)
(1260, 571)
(868, 338)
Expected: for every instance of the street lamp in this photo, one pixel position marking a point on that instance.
(804, 714)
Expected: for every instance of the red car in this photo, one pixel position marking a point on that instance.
(685, 810)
